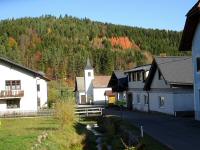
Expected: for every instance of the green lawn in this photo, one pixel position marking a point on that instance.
(22, 134)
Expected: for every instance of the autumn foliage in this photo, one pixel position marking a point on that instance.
(59, 47)
(12, 42)
(123, 42)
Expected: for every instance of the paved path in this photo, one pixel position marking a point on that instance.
(176, 133)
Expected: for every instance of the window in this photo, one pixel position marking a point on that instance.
(89, 74)
(13, 85)
(198, 64)
(129, 77)
(138, 99)
(161, 101)
(159, 75)
(133, 76)
(11, 104)
(38, 102)
(38, 87)
(139, 77)
(146, 101)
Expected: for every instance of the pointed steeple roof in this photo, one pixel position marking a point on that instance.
(88, 66)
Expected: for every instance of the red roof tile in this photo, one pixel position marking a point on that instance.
(101, 81)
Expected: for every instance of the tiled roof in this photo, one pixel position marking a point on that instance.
(176, 69)
(80, 84)
(18, 66)
(119, 74)
(98, 82)
(109, 93)
(143, 67)
(190, 28)
(101, 81)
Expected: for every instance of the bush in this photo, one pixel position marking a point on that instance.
(65, 112)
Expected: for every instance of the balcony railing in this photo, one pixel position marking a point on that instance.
(11, 93)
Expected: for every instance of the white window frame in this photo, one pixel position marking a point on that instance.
(161, 101)
(146, 101)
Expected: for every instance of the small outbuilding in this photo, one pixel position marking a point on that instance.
(119, 84)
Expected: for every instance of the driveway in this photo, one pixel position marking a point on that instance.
(176, 133)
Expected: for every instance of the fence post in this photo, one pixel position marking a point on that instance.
(86, 112)
(142, 132)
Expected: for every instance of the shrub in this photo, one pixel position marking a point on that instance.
(65, 112)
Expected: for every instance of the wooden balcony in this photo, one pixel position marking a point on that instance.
(11, 94)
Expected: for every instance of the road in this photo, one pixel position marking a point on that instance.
(176, 133)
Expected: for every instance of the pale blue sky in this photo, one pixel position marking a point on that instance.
(161, 14)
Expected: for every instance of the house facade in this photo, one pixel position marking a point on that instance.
(169, 86)
(136, 96)
(21, 89)
(190, 41)
(119, 84)
(91, 89)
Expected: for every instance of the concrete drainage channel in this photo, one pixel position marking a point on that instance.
(92, 128)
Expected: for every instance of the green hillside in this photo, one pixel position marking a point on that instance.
(60, 46)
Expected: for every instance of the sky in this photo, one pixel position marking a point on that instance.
(156, 14)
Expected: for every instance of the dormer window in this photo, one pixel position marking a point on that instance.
(89, 74)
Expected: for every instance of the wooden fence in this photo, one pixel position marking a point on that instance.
(80, 111)
(89, 111)
(38, 113)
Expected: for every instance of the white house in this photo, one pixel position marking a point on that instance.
(169, 86)
(190, 41)
(21, 89)
(136, 96)
(91, 89)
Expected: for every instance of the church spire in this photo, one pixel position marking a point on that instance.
(88, 66)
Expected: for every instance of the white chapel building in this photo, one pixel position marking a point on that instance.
(91, 89)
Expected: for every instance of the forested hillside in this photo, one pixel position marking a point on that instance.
(60, 46)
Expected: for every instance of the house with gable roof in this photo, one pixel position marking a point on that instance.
(190, 41)
(136, 95)
(91, 89)
(21, 89)
(119, 84)
(169, 86)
